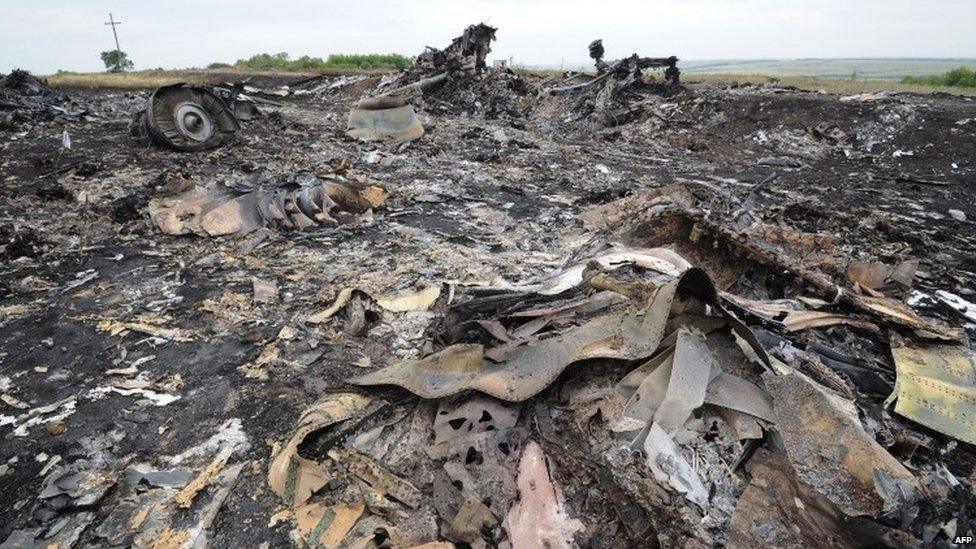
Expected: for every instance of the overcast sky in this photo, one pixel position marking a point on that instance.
(46, 35)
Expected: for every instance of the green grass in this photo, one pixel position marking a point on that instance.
(961, 77)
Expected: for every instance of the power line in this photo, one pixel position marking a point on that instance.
(118, 50)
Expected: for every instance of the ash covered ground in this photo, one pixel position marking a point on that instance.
(123, 348)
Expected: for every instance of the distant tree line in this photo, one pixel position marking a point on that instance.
(962, 77)
(282, 62)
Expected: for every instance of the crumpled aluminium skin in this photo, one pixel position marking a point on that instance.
(679, 379)
(829, 447)
(779, 510)
(628, 333)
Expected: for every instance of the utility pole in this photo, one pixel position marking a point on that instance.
(118, 50)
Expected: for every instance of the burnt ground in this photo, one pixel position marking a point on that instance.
(477, 199)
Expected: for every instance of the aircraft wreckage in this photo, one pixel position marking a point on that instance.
(462, 305)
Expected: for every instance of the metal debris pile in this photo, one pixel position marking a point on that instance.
(21, 83)
(170, 503)
(617, 94)
(632, 372)
(387, 113)
(465, 53)
(25, 97)
(456, 80)
(470, 87)
(499, 93)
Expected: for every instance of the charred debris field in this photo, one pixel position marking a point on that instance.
(465, 306)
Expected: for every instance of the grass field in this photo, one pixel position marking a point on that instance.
(842, 86)
(155, 78)
(137, 79)
(857, 69)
